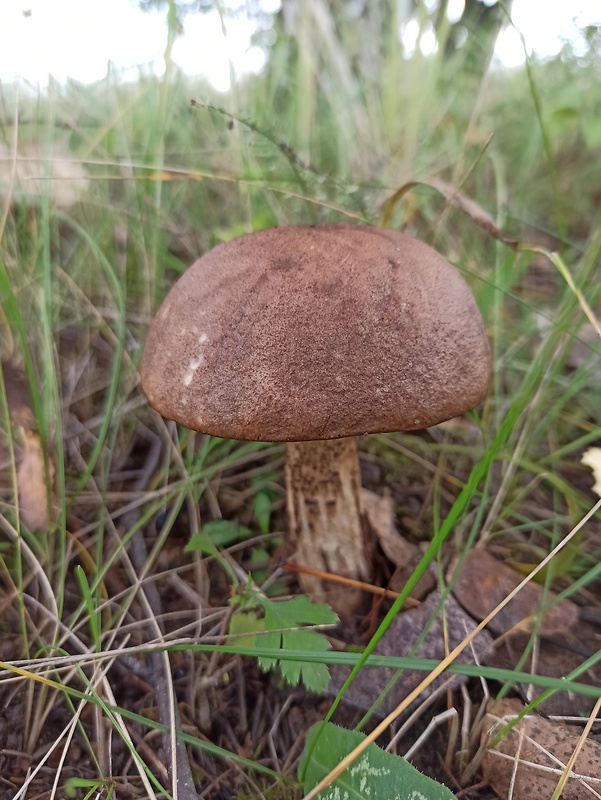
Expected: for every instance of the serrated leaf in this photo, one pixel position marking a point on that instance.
(244, 628)
(291, 614)
(283, 626)
(299, 610)
(314, 676)
(375, 774)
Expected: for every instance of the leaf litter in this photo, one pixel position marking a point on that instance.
(530, 758)
(32, 483)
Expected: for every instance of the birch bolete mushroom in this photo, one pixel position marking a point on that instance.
(316, 333)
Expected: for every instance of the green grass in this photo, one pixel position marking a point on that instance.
(329, 133)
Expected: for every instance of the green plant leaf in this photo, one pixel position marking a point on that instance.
(375, 774)
(262, 510)
(279, 628)
(591, 129)
(244, 627)
(216, 534)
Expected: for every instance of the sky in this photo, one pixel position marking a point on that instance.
(78, 38)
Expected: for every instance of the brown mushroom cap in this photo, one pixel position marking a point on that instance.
(299, 333)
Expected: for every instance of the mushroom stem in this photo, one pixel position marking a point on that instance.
(325, 516)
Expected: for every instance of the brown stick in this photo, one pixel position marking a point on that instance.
(291, 566)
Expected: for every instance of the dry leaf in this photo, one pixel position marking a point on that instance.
(566, 639)
(554, 659)
(533, 754)
(454, 198)
(481, 217)
(31, 483)
(484, 582)
(404, 555)
(380, 515)
(399, 640)
(592, 458)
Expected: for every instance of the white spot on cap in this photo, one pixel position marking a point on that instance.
(195, 363)
(188, 378)
(202, 338)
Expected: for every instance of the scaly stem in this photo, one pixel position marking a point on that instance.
(325, 517)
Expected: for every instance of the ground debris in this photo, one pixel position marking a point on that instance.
(400, 639)
(530, 759)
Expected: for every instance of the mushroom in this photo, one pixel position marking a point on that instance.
(309, 334)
